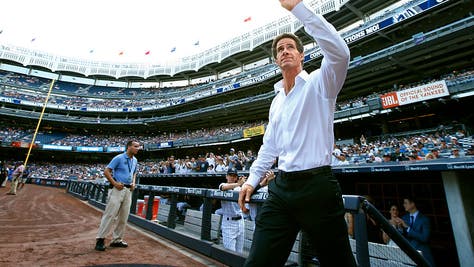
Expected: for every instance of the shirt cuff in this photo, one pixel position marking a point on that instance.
(253, 180)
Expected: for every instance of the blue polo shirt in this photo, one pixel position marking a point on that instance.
(123, 168)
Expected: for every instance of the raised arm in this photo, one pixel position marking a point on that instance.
(336, 55)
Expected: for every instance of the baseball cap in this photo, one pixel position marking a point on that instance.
(232, 149)
(232, 171)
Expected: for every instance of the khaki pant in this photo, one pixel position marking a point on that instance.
(116, 211)
(14, 184)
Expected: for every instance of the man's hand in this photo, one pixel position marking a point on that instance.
(118, 185)
(241, 180)
(132, 186)
(244, 196)
(269, 175)
(289, 4)
(400, 222)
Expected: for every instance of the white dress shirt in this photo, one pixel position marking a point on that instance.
(300, 129)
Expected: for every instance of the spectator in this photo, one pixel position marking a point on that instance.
(171, 168)
(394, 221)
(434, 154)
(373, 158)
(211, 169)
(249, 159)
(220, 167)
(455, 153)
(416, 228)
(470, 151)
(201, 164)
(211, 159)
(232, 159)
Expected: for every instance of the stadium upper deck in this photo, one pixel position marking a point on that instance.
(396, 59)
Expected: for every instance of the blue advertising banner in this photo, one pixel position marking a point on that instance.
(115, 149)
(89, 149)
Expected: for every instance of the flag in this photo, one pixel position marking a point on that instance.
(120, 53)
(196, 43)
(173, 49)
(247, 19)
(147, 53)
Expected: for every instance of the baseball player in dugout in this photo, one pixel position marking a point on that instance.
(305, 195)
(232, 219)
(121, 173)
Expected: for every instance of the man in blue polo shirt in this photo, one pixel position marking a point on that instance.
(121, 173)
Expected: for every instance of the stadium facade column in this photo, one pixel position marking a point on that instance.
(458, 189)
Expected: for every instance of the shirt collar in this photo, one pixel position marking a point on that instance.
(301, 77)
(415, 214)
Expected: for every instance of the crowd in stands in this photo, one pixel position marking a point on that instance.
(77, 102)
(418, 147)
(9, 134)
(439, 144)
(162, 97)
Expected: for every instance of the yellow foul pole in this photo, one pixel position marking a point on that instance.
(39, 122)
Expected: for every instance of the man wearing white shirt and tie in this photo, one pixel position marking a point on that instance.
(305, 195)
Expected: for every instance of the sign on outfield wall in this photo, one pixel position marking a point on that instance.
(415, 94)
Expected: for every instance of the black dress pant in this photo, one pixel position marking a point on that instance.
(310, 200)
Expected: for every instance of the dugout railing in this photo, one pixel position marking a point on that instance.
(358, 206)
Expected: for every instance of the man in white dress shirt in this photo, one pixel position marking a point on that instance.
(305, 195)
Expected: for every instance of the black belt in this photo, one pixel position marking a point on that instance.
(124, 185)
(236, 218)
(304, 173)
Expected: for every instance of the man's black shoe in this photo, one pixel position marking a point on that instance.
(99, 245)
(120, 244)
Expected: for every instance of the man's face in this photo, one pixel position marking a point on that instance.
(231, 178)
(133, 148)
(408, 205)
(288, 56)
